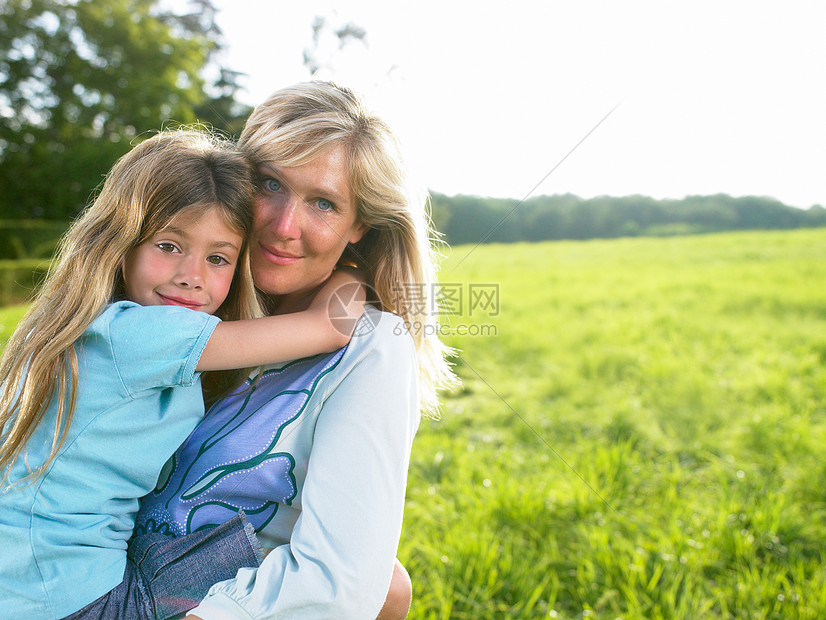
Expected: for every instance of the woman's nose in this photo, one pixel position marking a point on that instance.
(286, 218)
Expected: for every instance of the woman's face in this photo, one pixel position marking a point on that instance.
(304, 216)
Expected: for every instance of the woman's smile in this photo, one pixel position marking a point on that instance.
(279, 257)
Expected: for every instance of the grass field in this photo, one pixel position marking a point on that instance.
(640, 433)
(9, 316)
(644, 436)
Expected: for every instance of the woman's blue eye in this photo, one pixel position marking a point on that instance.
(325, 205)
(271, 185)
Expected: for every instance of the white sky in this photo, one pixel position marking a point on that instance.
(714, 96)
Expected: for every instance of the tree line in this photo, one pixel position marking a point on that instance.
(470, 219)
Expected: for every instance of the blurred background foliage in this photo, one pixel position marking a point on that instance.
(473, 219)
(82, 81)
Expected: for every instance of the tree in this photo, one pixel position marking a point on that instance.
(330, 37)
(82, 80)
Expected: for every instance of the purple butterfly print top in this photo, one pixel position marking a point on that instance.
(234, 460)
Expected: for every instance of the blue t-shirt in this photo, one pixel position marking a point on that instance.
(64, 537)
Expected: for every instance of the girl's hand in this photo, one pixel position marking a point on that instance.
(342, 300)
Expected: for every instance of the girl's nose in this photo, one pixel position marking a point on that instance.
(190, 273)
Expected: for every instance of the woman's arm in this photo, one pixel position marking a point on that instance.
(325, 326)
(397, 603)
(342, 550)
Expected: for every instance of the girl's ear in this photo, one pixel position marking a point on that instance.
(120, 279)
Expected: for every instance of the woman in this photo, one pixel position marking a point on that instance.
(316, 452)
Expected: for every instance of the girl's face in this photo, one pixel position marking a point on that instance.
(189, 263)
(304, 217)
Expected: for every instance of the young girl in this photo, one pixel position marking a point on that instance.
(100, 382)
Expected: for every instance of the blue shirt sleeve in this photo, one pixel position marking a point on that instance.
(154, 346)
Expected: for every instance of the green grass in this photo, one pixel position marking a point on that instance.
(642, 437)
(9, 317)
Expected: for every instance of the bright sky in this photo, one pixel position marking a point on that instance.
(489, 97)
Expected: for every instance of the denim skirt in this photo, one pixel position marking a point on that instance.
(166, 577)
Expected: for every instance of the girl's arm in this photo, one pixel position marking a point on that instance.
(325, 326)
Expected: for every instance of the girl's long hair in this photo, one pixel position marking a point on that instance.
(174, 172)
(397, 254)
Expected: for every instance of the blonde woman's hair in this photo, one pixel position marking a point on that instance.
(295, 125)
(174, 173)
